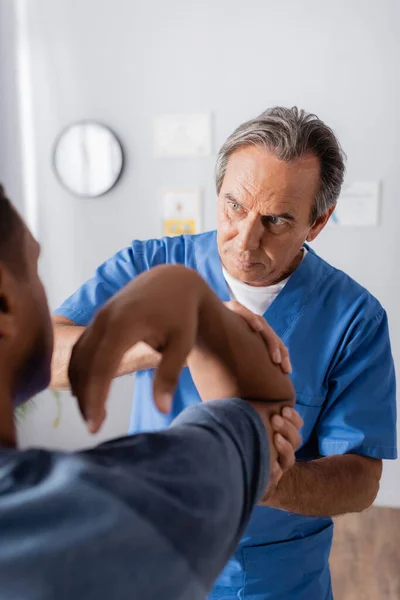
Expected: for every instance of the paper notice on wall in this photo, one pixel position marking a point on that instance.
(358, 205)
(181, 212)
(182, 135)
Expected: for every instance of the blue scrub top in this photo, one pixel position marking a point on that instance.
(343, 373)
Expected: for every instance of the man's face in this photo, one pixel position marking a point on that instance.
(264, 211)
(33, 341)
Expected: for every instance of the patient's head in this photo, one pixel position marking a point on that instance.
(26, 338)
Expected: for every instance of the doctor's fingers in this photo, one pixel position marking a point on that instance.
(286, 452)
(291, 414)
(277, 350)
(287, 430)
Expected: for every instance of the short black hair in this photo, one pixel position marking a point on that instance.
(11, 235)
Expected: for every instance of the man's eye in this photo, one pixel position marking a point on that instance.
(274, 221)
(235, 206)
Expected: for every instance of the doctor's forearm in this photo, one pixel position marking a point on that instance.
(328, 486)
(138, 358)
(65, 336)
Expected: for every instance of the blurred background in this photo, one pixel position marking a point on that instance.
(123, 63)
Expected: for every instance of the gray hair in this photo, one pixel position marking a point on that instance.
(289, 133)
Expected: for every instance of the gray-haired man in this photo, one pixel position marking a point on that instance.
(278, 179)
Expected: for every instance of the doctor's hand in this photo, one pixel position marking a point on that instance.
(287, 440)
(277, 350)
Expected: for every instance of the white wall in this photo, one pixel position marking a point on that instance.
(123, 62)
(10, 172)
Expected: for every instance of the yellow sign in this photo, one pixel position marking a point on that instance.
(179, 226)
(181, 212)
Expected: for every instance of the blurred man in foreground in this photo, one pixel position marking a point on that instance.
(148, 516)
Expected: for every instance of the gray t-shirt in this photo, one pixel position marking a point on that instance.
(147, 517)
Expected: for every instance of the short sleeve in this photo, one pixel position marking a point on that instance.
(360, 412)
(110, 277)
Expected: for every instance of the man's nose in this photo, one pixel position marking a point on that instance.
(250, 233)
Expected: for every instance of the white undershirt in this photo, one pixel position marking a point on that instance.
(256, 299)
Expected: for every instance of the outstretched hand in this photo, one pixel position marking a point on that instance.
(160, 308)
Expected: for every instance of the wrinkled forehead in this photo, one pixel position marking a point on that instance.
(262, 168)
(256, 174)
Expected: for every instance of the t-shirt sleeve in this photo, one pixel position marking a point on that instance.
(110, 277)
(360, 413)
(198, 481)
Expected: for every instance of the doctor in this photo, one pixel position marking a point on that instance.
(278, 178)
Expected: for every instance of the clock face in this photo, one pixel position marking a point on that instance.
(88, 159)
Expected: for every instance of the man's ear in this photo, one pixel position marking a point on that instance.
(8, 323)
(319, 224)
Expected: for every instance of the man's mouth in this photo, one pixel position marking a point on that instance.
(246, 265)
